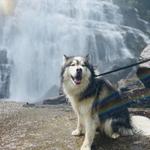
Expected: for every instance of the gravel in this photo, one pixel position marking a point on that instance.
(49, 128)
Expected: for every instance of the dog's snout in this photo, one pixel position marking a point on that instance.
(79, 70)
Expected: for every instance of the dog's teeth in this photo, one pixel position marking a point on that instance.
(77, 81)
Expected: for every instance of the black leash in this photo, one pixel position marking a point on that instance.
(122, 68)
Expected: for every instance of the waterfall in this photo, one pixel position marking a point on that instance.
(39, 33)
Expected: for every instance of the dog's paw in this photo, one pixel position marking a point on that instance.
(85, 147)
(115, 135)
(76, 132)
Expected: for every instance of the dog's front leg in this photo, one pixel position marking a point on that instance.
(79, 130)
(90, 130)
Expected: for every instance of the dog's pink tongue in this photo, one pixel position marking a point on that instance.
(77, 81)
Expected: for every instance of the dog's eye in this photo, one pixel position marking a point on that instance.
(73, 64)
(83, 65)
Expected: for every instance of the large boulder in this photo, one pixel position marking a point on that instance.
(146, 55)
(143, 71)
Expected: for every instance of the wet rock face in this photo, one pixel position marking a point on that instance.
(4, 74)
(132, 19)
(113, 36)
(134, 42)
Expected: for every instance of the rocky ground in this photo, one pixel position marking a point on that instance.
(49, 128)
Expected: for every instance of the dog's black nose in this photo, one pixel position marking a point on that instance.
(79, 70)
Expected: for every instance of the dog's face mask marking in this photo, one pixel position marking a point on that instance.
(77, 70)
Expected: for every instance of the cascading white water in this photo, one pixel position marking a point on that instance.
(40, 32)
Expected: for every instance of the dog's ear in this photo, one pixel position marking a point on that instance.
(65, 58)
(87, 57)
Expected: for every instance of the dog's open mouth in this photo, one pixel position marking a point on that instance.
(77, 79)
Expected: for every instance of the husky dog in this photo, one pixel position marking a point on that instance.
(91, 99)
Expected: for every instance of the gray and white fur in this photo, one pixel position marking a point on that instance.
(84, 90)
